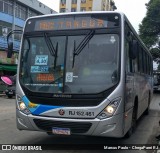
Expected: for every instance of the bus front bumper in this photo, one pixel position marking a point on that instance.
(109, 127)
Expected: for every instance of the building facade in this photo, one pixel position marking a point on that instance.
(13, 14)
(86, 5)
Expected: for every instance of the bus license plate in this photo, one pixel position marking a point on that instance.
(61, 131)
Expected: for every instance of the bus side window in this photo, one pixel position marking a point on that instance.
(136, 61)
(140, 60)
(129, 65)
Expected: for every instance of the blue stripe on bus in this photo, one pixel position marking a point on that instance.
(39, 108)
(44, 108)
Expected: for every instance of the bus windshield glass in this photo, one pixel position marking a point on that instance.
(75, 64)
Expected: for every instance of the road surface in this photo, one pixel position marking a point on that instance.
(147, 129)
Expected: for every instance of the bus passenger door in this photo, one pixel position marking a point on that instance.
(129, 87)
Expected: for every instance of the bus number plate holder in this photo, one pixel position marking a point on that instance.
(61, 131)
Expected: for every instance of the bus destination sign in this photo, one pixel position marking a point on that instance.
(70, 23)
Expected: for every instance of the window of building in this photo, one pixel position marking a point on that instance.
(17, 11)
(18, 36)
(63, 2)
(73, 9)
(4, 30)
(10, 9)
(21, 12)
(74, 1)
(6, 7)
(4, 26)
(83, 9)
(1, 6)
(62, 10)
(90, 8)
(83, 1)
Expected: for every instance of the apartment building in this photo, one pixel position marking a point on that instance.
(13, 14)
(86, 5)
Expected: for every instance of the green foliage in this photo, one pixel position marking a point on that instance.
(155, 53)
(149, 29)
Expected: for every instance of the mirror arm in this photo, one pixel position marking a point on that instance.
(10, 44)
(12, 32)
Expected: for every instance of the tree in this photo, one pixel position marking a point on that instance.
(149, 30)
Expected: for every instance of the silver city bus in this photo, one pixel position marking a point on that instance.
(82, 73)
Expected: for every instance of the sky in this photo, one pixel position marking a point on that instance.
(135, 10)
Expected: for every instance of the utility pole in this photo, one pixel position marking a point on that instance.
(14, 15)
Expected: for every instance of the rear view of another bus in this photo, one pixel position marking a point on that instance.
(156, 77)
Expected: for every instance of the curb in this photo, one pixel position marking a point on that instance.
(2, 95)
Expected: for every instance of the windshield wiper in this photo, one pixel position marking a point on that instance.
(55, 58)
(83, 43)
(51, 48)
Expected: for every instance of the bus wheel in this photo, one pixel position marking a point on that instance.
(133, 124)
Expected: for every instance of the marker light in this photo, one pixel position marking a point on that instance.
(19, 98)
(110, 109)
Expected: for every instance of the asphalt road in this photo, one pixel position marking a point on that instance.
(147, 129)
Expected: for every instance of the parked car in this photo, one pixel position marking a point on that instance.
(10, 91)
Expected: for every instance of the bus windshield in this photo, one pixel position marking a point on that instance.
(75, 64)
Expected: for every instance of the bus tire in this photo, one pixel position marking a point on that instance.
(133, 124)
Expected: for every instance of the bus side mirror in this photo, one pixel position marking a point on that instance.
(10, 43)
(10, 50)
(133, 49)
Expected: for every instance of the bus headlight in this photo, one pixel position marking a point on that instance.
(110, 109)
(22, 106)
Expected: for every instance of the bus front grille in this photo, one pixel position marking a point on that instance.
(75, 127)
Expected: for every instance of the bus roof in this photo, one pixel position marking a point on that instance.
(77, 13)
(123, 16)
